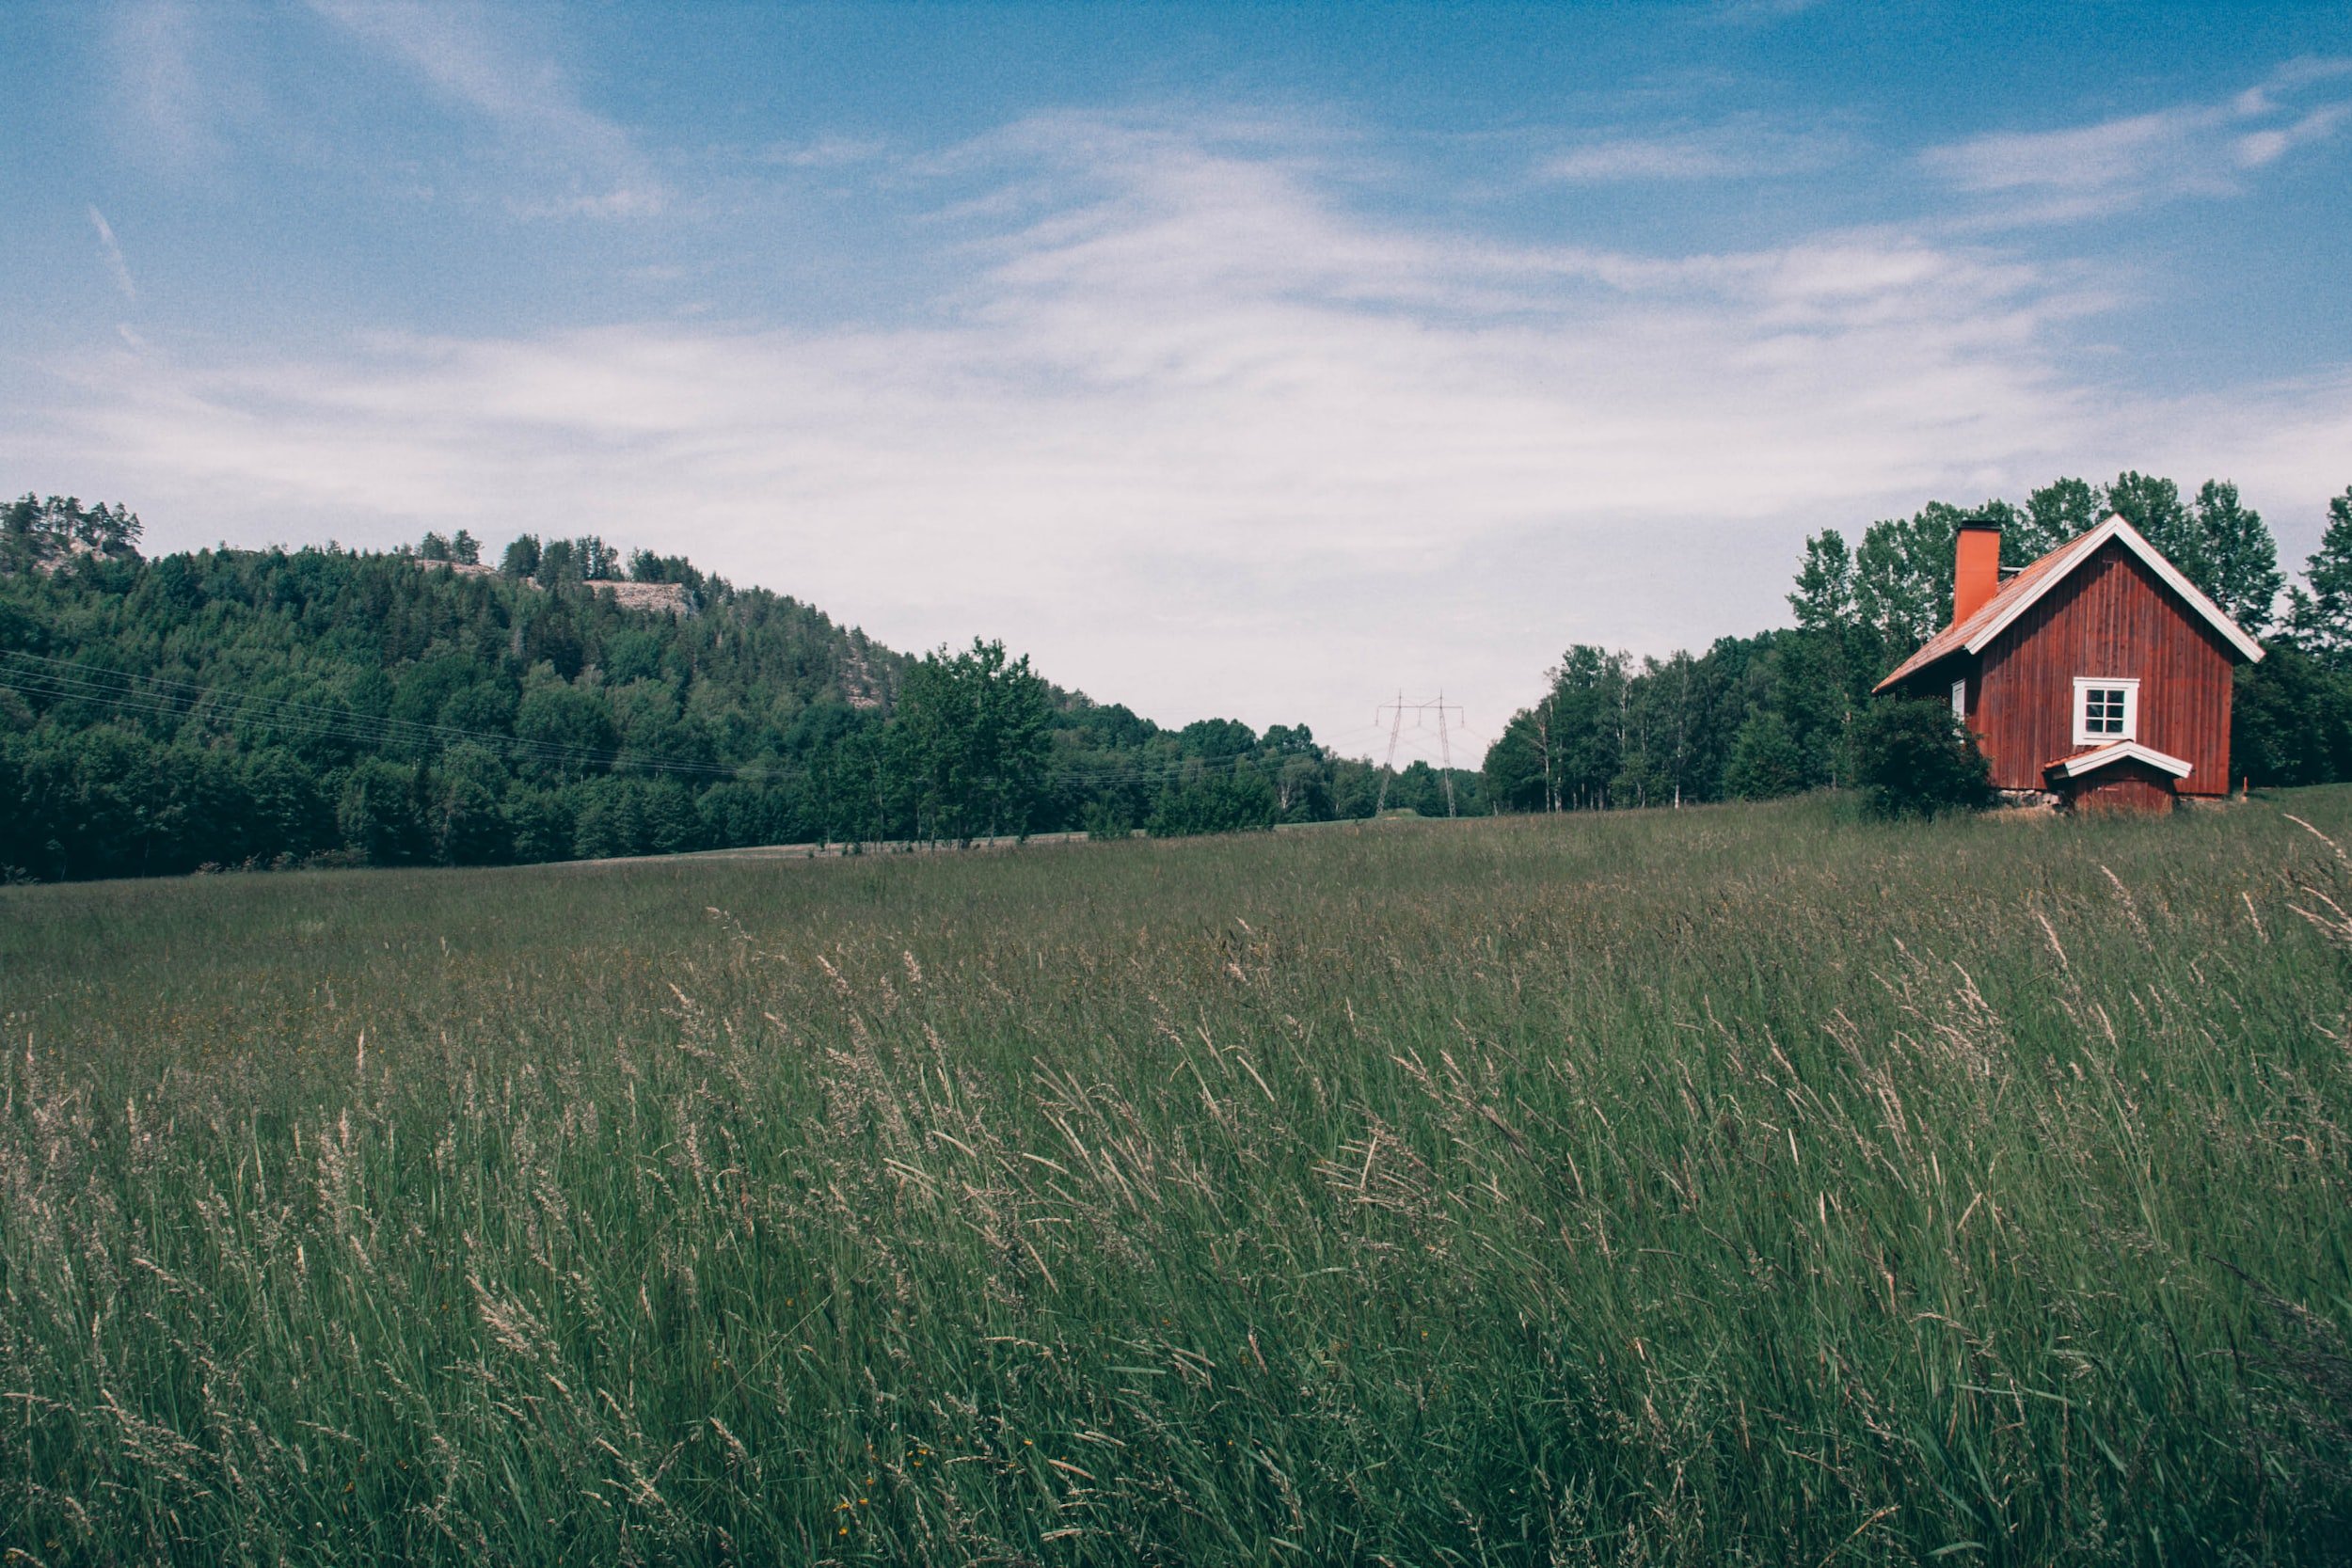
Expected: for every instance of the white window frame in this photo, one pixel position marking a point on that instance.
(1960, 699)
(2129, 685)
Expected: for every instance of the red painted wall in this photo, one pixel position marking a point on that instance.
(2128, 786)
(2112, 616)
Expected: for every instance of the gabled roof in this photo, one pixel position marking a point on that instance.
(2022, 591)
(2120, 751)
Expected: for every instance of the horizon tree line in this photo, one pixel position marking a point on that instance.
(324, 706)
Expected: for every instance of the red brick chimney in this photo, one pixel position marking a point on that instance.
(1976, 567)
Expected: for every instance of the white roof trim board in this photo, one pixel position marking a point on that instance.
(2091, 762)
(2131, 538)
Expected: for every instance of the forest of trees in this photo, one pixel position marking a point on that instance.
(322, 706)
(252, 709)
(1754, 717)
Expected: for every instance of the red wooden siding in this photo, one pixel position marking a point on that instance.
(2111, 616)
(2132, 787)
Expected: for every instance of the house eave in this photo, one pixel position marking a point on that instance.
(1922, 674)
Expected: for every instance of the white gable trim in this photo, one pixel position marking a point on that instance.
(2091, 762)
(2087, 547)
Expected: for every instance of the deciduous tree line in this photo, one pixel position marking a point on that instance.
(255, 708)
(1777, 713)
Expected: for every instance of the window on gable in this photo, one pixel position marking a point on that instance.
(1960, 699)
(2106, 709)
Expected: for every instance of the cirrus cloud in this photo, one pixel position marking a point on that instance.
(1739, 151)
(2178, 150)
(1200, 434)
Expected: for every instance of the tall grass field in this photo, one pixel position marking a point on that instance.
(1738, 1185)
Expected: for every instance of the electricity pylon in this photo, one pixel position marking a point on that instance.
(1388, 771)
(1396, 729)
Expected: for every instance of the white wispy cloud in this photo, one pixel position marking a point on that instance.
(1200, 435)
(170, 103)
(828, 152)
(527, 98)
(111, 254)
(2205, 148)
(1751, 13)
(2294, 436)
(1739, 150)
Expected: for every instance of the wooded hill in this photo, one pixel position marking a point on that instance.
(274, 707)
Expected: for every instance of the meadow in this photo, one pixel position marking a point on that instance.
(1731, 1185)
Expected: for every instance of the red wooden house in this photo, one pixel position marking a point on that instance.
(2099, 676)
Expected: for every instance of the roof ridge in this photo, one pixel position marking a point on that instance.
(2043, 572)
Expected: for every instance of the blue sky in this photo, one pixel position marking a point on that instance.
(1255, 360)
